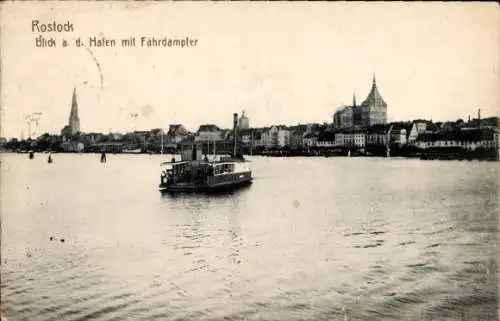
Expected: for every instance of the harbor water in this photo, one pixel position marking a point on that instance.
(311, 239)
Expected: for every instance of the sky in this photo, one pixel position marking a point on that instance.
(283, 63)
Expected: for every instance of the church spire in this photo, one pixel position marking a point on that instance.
(74, 103)
(74, 120)
(354, 99)
(74, 107)
(374, 98)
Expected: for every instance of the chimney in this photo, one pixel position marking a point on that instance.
(235, 136)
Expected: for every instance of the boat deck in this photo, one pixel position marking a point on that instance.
(192, 187)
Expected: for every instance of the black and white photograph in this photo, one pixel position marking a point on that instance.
(249, 161)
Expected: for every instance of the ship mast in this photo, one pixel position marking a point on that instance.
(235, 139)
(251, 144)
(162, 141)
(215, 155)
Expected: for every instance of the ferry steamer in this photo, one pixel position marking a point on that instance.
(193, 174)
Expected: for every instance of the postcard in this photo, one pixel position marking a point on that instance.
(249, 160)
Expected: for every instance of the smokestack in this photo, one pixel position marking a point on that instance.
(235, 137)
(479, 117)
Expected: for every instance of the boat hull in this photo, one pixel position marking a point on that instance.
(226, 182)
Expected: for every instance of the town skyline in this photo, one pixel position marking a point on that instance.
(443, 67)
(74, 116)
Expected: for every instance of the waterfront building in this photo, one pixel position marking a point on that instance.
(108, 147)
(350, 137)
(226, 134)
(140, 137)
(73, 147)
(73, 126)
(421, 125)
(297, 135)
(414, 132)
(115, 136)
(326, 139)
(209, 132)
(243, 122)
(358, 138)
(258, 136)
(176, 133)
(310, 139)
(92, 138)
(467, 139)
(378, 135)
(276, 136)
(400, 133)
(311, 135)
(245, 136)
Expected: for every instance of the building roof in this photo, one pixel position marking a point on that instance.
(374, 98)
(458, 135)
(208, 128)
(344, 109)
(245, 131)
(278, 127)
(350, 131)
(177, 129)
(311, 135)
(260, 130)
(188, 139)
(326, 136)
(298, 129)
(227, 133)
(402, 125)
(378, 129)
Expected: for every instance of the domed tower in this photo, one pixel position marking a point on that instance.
(243, 122)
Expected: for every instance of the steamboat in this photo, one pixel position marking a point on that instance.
(194, 174)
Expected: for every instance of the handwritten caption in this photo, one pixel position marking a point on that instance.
(44, 41)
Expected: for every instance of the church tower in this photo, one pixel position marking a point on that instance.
(74, 120)
(374, 108)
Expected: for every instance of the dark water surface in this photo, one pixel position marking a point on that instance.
(311, 239)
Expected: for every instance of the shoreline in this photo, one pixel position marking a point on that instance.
(281, 154)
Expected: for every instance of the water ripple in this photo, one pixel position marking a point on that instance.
(314, 245)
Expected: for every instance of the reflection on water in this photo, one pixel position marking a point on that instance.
(310, 239)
